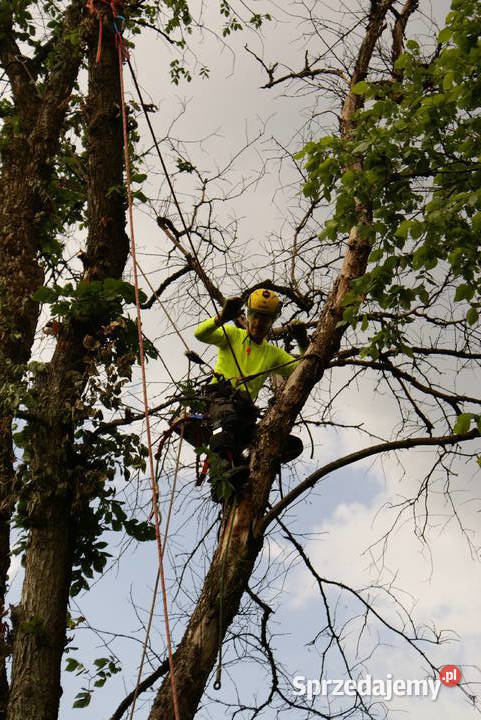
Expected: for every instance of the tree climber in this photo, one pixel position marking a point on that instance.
(244, 360)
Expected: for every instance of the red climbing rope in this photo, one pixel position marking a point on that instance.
(93, 10)
(122, 56)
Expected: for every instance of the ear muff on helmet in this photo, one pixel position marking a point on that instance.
(265, 302)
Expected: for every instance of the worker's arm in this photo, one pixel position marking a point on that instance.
(287, 362)
(211, 332)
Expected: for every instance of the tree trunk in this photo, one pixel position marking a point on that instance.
(40, 619)
(26, 170)
(195, 657)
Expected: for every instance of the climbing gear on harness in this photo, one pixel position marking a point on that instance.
(264, 302)
(223, 428)
(231, 418)
(231, 415)
(200, 474)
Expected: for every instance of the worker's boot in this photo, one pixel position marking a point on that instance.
(291, 450)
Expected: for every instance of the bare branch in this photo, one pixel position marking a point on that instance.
(308, 71)
(142, 687)
(193, 262)
(312, 479)
(452, 400)
(165, 284)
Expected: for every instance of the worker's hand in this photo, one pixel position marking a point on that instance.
(298, 331)
(232, 308)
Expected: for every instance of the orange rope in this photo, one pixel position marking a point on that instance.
(93, 10)
(122, 56)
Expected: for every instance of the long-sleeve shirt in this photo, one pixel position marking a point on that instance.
(252, 357)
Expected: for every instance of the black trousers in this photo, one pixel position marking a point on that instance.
(231, 417)
(229, 426)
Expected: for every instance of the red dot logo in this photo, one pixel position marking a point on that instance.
(450, 675)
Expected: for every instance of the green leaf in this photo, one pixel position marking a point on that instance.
(448, 81)
(472, 316)
(445, 35)
(360, 88)
(423, 294)
(138, 177)
(463, 292)
(402, 61)
(403, 229)
(362, 146)
(463, 423)
(44, 295)
(72, 664)
(376, 255)
(83, 700)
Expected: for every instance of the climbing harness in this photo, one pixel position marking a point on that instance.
(225, 426)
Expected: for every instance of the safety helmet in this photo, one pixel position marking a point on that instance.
(264, 302)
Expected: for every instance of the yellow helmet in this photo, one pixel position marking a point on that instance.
(264, 302)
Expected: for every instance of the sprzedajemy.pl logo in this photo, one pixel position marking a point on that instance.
(382, 688)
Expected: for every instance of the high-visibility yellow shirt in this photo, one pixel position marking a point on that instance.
(252, 357)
